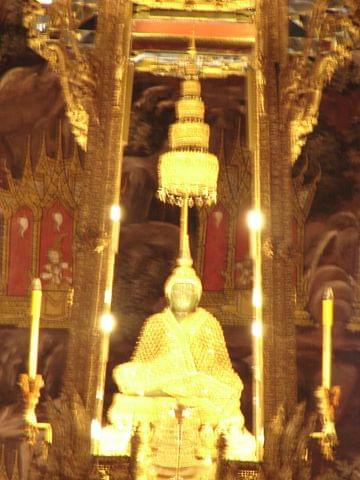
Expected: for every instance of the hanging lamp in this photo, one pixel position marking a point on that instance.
(188, 172)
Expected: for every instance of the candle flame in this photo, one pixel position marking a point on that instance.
(328, 294)
(36, 284)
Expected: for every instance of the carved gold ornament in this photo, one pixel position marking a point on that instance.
(307, 74)
(55, 40)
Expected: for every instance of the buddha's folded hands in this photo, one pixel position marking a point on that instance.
(196, 384)
(142, 379)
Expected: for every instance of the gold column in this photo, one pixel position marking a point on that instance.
(276, 198)
(255, 223)
(106, 325)
(116, 99)
(98, 214)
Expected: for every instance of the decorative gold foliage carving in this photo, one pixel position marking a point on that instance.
(76, 68)
(51, 178)
(306, 75)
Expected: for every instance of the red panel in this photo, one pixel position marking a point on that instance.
(56, 258)
(20, 252)
(216, 29)
(243, 262)
(215, 249)
(242, 237)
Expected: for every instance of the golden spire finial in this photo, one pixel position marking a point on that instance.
(192, 43)
(191, 64)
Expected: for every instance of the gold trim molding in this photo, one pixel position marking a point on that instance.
(199, 5)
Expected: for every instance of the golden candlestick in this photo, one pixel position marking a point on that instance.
(36, 295)
(327, 321)
(31, 383)
(327, 396)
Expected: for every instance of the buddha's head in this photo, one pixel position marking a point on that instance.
(183, 290)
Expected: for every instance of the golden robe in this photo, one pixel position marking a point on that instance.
(187, 360)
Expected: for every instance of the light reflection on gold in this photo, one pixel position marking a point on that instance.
(107, 322)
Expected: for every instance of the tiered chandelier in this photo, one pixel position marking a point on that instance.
(188, 171)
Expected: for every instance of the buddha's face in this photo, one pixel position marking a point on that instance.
(183, 298)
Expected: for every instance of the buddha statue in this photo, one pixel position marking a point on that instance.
(181, 359)
(181, 351)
